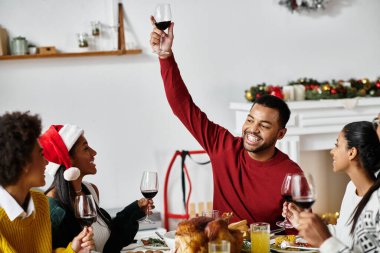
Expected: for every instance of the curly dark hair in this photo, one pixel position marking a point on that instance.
(18, 136)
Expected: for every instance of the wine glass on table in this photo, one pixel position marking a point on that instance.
(149, 188)
(85, 210)
(163, 17)
(286, 193)
(303, 191)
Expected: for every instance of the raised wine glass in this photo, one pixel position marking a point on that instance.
(286, 193)
(85, 210)
(149, 188)
(303, 191)
(163, 17)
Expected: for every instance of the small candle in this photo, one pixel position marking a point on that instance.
(288, 92)
(299, 92)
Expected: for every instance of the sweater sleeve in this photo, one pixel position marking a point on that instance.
(332, 245)
(123, 228)
(366, 235)
(332, 229)
(68, 249)
(209, 135)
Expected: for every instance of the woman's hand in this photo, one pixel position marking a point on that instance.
(161, 39)
(146, 205)
(312, 229)
(291, 212)
(84, 242)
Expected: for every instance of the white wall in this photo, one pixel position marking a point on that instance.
(222, 47)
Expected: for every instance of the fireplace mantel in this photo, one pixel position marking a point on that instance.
(314, 125)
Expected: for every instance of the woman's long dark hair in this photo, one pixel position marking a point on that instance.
(362, 136)
(66, 194)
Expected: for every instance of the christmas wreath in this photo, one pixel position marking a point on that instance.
(301, 5)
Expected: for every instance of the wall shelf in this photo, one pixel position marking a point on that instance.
(122, 50)
(77, 54)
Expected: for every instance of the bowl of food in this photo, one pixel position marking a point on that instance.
(169, 238)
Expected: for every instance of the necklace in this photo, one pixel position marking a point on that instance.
(80, 190)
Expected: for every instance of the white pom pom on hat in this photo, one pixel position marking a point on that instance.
(56, 143)
(71, 174)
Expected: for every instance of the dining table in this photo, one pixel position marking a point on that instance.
(138, 247)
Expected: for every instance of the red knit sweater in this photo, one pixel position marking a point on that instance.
(250, 189)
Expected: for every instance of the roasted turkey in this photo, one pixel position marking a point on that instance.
(192, 236)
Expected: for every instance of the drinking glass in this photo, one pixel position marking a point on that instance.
(219, 247)
(286, 193)
(260, 233)
(82, 40)
(163, 17)
(95, 28)
(85, 210)
(149, 188)
(303, 191)
(215, 214)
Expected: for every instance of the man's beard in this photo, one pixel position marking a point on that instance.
(260, 148)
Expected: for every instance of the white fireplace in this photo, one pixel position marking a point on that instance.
(312, 130)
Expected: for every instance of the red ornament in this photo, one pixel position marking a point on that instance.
(378, 84)
(333, 91)
(258, 95)
(276, 91)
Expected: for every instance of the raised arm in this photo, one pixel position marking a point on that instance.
(210, 136)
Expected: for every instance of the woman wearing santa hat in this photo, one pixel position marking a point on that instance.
(70, 159)
(24, 213)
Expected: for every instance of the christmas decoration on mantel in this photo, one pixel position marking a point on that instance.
(304, 5)
(311, 89)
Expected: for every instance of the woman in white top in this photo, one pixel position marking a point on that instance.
(70, 159)
(357, 153)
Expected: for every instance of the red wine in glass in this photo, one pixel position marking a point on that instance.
(85, 210)
(163, 25)
(87, 220)
(303, 191)
(287, 197)
(163, 17)
(304, 203)
(149, 189)
(149, 194)
(286, 193)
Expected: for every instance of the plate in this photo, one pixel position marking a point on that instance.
(153, 247)
(279, 250)
(275, 248)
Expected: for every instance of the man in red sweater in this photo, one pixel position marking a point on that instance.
(248, 171)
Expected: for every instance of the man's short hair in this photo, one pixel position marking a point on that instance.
(277, 104)
(18, 137)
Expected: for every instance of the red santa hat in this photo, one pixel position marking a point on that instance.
(56, 143)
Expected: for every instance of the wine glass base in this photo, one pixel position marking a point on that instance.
(284, 224)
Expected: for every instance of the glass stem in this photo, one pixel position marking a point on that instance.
(147, 211)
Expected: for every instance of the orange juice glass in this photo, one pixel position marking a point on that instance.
(260, 232)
